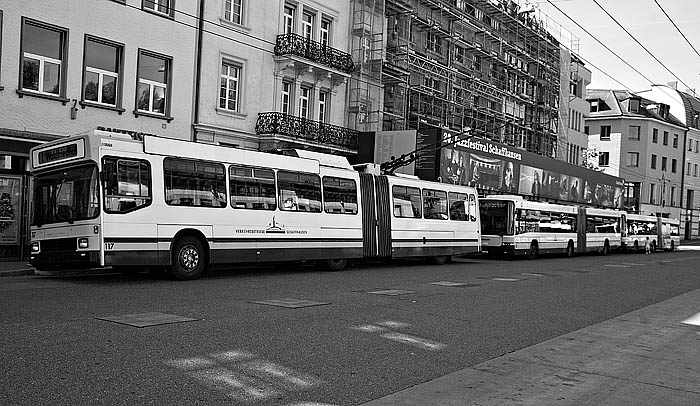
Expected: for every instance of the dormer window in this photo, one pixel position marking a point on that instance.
(634, 103)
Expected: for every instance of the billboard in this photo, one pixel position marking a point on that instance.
(496, 168)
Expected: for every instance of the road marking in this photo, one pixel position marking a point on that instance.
(505, 279)
(290, 303)
(415, 341)
(632, 264)
(531, 274)
(616, 266)
(244, 377)
(447, 283)
(391, 292)
(693, 320)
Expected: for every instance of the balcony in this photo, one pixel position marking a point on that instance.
(307, 132)
(296, 45)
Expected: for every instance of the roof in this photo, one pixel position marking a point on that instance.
(617, 104)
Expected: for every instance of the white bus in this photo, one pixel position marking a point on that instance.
(108, 200)
(511, 225)
(663, 233)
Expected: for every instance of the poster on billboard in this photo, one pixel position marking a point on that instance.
(493, 167)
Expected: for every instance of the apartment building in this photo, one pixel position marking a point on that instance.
(638, 139)
(67, 67)
(274, 75)
(573, 108)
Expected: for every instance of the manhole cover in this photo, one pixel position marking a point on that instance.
(290, 303)
(146, 319)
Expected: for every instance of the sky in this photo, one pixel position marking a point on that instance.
(646, 21)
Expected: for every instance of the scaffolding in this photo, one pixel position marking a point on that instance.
(489, 65)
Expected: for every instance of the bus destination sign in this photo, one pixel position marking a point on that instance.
(58, 153)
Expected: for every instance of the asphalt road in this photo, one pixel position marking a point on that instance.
(369, 331)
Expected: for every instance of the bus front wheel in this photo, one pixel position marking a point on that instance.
(606, 247)
(189, 258)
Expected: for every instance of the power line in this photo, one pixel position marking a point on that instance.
(651, 82)
(678, 29)
(640, 44)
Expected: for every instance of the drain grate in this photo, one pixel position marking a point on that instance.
(146, 319)
(391, 292)
(290, 303)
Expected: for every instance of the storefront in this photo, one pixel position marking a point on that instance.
(14, 191)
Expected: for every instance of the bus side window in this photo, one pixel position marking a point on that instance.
(127, 184)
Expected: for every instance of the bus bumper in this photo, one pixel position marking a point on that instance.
(65, 260)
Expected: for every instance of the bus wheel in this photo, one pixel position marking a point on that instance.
(440, 259)
(652, 247)
(673, 246)
(570, 249)
(636, 246)
(534, 251)
(189, 258)
(335, 265)
(606, 248)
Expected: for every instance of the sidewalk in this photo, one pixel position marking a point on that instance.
(15, 268)
(647, 357)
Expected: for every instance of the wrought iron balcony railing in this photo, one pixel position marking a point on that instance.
(295, 44)
(306, 130)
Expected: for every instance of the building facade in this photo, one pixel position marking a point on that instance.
(274, 75)
(573, 108)
(640, 141)
(66, 69)
(685, 106)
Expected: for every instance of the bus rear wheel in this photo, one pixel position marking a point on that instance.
(335, 265)
(606, 248)
(570, 249)
(533, 252)
(673, 246)
(189, 258)
(636, 246)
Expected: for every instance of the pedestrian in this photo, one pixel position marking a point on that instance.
(646, 246)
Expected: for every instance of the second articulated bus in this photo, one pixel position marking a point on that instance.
(512, 225)
(663, 233)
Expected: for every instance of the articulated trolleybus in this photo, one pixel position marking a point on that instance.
(109, 200)
(511, 225)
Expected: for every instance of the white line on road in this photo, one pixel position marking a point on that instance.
(531, 274)
(616, 266)
(693, 320)
(505, 279)
(415, 341)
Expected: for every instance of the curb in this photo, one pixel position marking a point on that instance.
(17, 272)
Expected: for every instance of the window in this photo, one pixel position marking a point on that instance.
(459, 209)
(653, 161)
(304, 102)
(688, 169)
(102, 75)
(663, 163)
(325, 32)
(191, 182)
(634, 132)
(339, 195)
(674, 165)
(665, 138)
(604, 159)
(153, 83)
(697, 145)
(127, 184)
(407, 202)
(695, 170)
(433, 42)
(604, 132)
(633, 159)
(299, 191)
(435, 204)
(634, 105)
(233, 11)
(459, 54)
(323, 107)
(673, 195)
(229, 94)
(164, 7)
(288, 19)
(675, 140)
(286, 94)
(252, 188)
(43, 58)
(655, 135)
(652, 192)
(307, 25)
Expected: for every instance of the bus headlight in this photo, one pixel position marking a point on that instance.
(82, 242)
(35, 247)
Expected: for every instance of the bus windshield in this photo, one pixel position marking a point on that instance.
(495, 218)
(66, 195)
